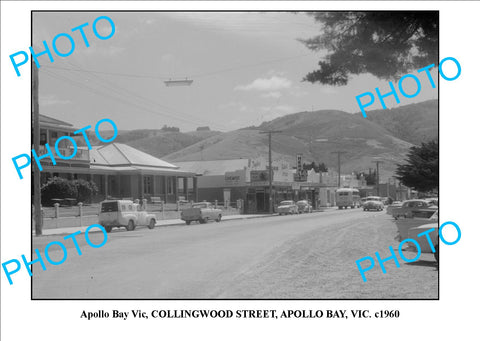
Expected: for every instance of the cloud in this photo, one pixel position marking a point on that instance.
(273, 83)
(272, 94)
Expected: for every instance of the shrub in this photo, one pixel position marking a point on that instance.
(85, 190)
(57, 188)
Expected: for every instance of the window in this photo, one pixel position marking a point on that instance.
(148, 184)
(43, 139)
(110, 207)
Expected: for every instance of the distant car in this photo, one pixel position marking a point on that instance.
(287, 207)
(201, 212)
(124, 213)
(411, 207)
(304, 206)
(362, 201)
(373, 205)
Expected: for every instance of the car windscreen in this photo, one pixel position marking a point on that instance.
(110, 207)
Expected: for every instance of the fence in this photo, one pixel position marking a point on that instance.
(87, 214)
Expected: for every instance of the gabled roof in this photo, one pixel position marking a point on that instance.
(214, 167)
(119, 154)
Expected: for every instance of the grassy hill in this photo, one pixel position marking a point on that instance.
(155, 141)
(415, 123)
(314, 134)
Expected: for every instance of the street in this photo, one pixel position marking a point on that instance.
(308, 256)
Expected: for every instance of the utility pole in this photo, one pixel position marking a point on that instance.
(378, 176)
(338, 159)
(270, 170)
(36, 145)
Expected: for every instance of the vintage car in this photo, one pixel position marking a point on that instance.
(395, 204)
(201, 212)
(287, 207)
(373, 204)
(423, 240)
(124, 213)
(304, 206)
(415, 207)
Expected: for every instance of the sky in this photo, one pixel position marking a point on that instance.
(246, 67)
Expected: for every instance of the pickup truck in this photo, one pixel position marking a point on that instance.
(201, 212)
(124, 213)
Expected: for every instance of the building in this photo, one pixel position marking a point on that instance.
(118, 170)
(247, 180)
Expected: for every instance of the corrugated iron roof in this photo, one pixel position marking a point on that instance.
(119, 154)
(52, 121)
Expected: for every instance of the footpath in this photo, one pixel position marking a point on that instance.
(160, 223)
(164, 222)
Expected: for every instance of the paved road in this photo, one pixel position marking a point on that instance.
(305, 256)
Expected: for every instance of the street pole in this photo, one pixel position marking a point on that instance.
(36, 145)
(338, 157)
(270, 170)
(378, 176)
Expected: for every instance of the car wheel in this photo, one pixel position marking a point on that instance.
(131, 225)
(218, 218)
(108, 229)
(187, 222)
(151, 225)
(202, 221)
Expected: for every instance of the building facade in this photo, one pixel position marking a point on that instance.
(118, 170)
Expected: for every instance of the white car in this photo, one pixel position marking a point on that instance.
(287, 207)
(124, 213)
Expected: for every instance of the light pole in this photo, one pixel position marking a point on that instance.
(270, 170)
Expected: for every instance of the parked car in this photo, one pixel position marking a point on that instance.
(124, 213)
(373, 203)
(304, 206)
(201, 212)
(423, 241)
(287, 207)
(410, 208)
(395, 204)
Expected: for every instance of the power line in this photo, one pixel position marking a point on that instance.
(164, 77)
(119, 96)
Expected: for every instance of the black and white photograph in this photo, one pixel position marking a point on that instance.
(233, 165)
(238, 170)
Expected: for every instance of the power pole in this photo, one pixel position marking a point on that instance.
(378, 176)
(36, 145)
(270, 170)
(338, 159)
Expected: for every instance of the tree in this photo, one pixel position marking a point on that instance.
(370, 178)
(58, 188)
(317, 168)
(421, 170)
(86, 190)
(385, 44)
